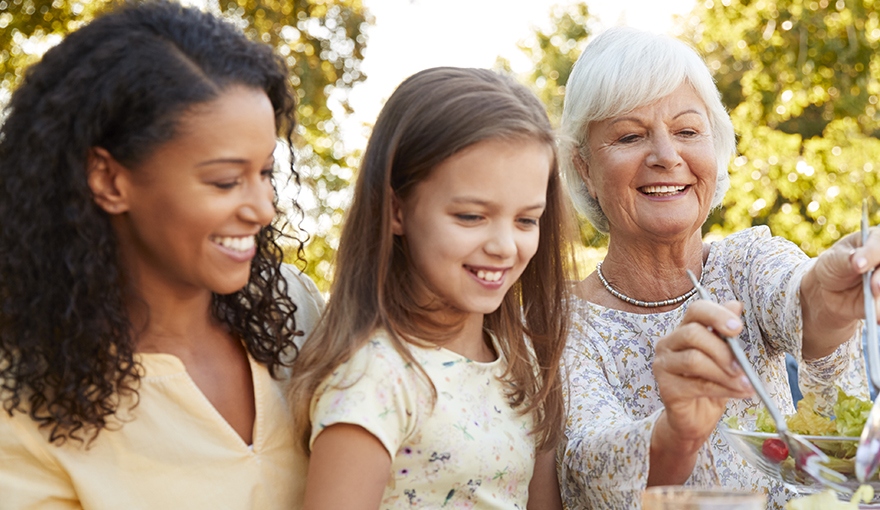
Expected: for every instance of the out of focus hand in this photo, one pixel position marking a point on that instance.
(836, 279)
(831, 293)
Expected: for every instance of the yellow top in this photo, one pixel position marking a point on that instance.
(173, 450)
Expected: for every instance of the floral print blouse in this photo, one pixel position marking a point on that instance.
(612, 394)
(468, 450)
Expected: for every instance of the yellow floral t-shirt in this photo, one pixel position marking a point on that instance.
(469, 450)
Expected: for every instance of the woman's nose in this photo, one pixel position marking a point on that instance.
(664, 153)
(259, 205)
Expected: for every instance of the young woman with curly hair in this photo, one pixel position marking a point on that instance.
(146, 320)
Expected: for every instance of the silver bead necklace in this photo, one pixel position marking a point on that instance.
(638, 302)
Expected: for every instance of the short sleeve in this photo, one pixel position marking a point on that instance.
(377, 390)
(307, 298)
(29, 475)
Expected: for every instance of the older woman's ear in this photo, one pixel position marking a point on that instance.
(583, 169)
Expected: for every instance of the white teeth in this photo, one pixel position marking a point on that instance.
(236, 243)
(663, 189)
(489, 276)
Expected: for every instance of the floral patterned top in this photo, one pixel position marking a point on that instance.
(469, 450)
(612, 394)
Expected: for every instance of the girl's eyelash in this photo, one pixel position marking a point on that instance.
(529, 221)
(468, 217)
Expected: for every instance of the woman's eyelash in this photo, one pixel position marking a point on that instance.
(226, 184)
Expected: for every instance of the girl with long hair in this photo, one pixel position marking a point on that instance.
(147, 323)
(433, 377)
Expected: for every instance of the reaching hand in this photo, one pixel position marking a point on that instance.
(836, 279)
(831, 293)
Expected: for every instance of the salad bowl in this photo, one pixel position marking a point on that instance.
(766, 452)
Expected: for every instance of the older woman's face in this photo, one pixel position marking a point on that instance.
(653, 170)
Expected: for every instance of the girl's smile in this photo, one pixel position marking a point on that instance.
(489, 277)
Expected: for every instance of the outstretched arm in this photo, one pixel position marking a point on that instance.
(831, 293)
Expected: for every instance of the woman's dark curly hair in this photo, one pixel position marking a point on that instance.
(120, 83)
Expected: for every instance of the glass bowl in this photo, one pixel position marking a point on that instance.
(840, 450)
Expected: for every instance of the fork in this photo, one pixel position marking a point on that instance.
(868, 452)
(806, 456)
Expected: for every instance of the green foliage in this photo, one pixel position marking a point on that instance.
(801, 79)
(28, 27)
(323, 43)
(553, 54)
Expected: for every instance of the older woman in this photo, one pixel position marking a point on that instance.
(648, 146)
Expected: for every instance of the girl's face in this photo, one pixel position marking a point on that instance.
(472, 226)
(194, 207)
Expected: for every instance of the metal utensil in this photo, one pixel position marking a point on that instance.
(806, 456)
(868, 452)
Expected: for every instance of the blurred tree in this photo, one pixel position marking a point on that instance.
(801, 79)
(553, 54)
(323, 42)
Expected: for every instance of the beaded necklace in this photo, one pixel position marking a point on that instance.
(638, 302)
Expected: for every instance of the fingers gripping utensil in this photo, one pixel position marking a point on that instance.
(806, 456)
(868, 452)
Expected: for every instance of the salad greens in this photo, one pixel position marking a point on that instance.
(850, 415)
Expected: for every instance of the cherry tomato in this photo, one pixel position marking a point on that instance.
(774, 450)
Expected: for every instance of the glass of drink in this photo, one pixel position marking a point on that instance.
(691, 498)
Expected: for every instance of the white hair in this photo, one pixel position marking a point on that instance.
(619, 71)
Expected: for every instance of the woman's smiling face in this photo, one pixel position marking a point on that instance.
(195, 205)
(653, 170)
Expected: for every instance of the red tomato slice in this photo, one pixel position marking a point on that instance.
(774, 450)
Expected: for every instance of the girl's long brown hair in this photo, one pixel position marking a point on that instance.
(431, 116)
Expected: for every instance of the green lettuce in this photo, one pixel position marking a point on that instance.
(851, 414)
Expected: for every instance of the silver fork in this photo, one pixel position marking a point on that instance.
(806, 456)
(868, 451)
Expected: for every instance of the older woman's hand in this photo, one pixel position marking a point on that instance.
(696, 373)
(831, 293)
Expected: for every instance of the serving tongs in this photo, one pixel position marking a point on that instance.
(807, 457)
(868, 452)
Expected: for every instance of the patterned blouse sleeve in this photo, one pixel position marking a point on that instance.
(605, 461)
(767, 272)
(377, 390)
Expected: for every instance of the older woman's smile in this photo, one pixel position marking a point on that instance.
(663, 191)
